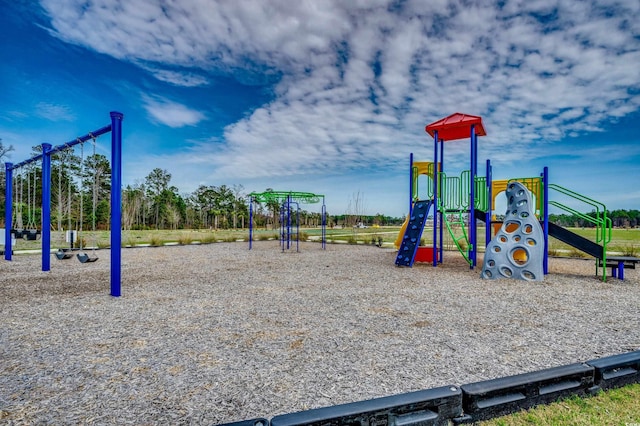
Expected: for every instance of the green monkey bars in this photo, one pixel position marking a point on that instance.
(287, 200)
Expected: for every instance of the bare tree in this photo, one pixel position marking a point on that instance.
(355, 209)
(4, 150)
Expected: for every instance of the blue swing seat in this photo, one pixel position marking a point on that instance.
(85, 258)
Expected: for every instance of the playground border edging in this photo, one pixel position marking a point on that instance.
(472, 402)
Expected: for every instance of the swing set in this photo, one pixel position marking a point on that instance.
(30, 231)
(73, 235)
(44, 233)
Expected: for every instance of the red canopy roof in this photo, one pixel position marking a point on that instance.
(456, 126)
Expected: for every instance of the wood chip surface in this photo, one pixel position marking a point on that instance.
(206, 334)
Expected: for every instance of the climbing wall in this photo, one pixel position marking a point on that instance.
(413, 233)
(517, 251)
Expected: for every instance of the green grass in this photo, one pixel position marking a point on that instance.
(624, 241)
(613, 407)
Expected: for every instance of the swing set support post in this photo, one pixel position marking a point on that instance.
(46, 207)
(116, 202)
(8, 211)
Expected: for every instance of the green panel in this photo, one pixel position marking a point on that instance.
(281, 196)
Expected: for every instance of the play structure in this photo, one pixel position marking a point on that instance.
(458, 202)
(288, 203)
(44, 231)
(517, 249)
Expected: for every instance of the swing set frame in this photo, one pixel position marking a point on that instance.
(115, 128)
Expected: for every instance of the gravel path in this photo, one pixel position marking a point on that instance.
(217, 333)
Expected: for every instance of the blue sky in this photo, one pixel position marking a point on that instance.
(331, 96)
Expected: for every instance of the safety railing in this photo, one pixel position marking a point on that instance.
(602, 223)
(427, 193)
(598, 218)
(482, 194)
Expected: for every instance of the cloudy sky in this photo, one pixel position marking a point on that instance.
(329, 96)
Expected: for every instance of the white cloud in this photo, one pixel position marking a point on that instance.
(170, 113)
(361, 79)
(53, 112)
(184, 79)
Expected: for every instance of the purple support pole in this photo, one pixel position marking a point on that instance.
(288, 221)
(488, 214)
(410, 183)
(250, 221)
(545, 206)
(324, 225)
(46, 207)
(621, 271)
(8, 210)
(435, 198)
(472, 200)
(441, 223)
(116, 202)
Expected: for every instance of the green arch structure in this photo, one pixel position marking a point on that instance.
(282, 196)
(285, 199)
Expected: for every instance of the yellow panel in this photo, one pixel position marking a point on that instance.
(499, 186)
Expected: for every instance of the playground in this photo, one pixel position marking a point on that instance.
(217, 333)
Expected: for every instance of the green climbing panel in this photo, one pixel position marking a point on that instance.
(458, 232)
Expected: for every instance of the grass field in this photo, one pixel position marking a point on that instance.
(623, 242)
(614, 407)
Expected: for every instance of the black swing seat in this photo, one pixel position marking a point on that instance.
(62, 254)
(85, 258)
(31, 234)
(18, 233)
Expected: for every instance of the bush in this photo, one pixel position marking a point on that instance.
(629, 250)
(577, 253)
(184, 239)
(155, 241)
(208, 239)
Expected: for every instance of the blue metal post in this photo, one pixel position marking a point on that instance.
(472, 200)
(282, 225)
(442, 188)
(8, 210)
(545, 196)
(116, 202)
(324, 225)
(250, 221)
(297, 226)
(288, 221)
(435, 198)
(46, 207)
(410, 183)
(488, 214)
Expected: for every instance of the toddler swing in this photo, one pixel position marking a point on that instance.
(65, 253)
(83, 256)
(32, 233)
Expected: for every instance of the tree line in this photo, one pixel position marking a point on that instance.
(81, 190)
(619, 219)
